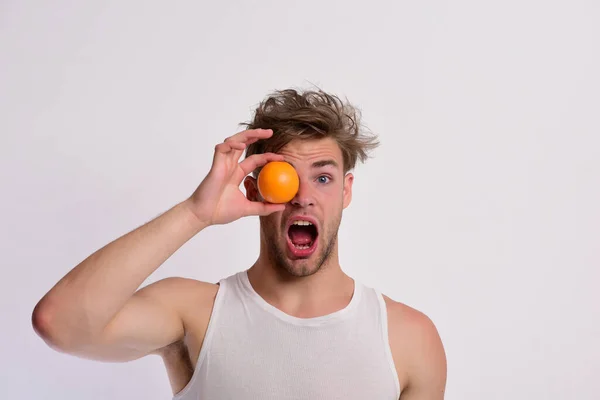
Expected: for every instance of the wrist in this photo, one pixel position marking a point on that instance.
(198, 222)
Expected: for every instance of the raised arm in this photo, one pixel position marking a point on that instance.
(96, 310)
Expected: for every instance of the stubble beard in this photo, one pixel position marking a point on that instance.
(277, 254)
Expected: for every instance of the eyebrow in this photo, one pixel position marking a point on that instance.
(324, 163)
(320, 163)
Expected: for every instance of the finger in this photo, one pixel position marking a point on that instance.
(247, 138)
(238, 148)
(250, 134)
(223, 148)
(258, 160)
(227, 149)
(263, 209)
(237, 145)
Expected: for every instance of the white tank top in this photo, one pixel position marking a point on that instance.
(253, 350)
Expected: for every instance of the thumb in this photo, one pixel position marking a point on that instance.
(263, 209)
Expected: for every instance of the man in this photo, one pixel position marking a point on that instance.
(291, 326)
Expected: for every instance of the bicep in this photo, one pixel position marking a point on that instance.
(149, 321)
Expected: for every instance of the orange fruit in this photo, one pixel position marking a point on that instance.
(278, 182)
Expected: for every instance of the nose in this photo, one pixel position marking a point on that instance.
(304, 196)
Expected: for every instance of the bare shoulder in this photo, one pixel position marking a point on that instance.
(406, 320)
(180, 287)
(418, 352)
(187, 296)
(190, 300)
(193, 301)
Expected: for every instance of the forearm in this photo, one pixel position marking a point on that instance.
(91, 294)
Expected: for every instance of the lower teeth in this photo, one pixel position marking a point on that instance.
(301, 246)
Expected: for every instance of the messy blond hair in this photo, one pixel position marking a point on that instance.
(309, 115)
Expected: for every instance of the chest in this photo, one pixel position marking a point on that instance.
(298, 365)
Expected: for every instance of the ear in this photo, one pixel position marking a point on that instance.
(252, 193)
(348, 180)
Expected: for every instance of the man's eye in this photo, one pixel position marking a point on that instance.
(323, 179)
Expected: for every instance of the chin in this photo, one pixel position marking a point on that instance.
(289, 262)
(301, 268)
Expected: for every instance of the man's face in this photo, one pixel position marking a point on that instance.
(303, 237)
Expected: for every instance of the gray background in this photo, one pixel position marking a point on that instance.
(484, 216)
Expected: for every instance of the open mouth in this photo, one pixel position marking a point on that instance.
(302, 237)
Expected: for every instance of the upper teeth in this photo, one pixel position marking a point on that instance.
(305, 223)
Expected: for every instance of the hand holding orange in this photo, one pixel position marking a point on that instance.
(278, 182)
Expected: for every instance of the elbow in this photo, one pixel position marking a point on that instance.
(45, 320)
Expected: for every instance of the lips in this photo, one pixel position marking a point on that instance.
(301, 236)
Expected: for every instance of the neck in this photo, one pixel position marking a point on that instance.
(321, 293)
